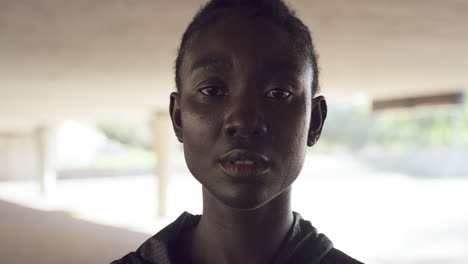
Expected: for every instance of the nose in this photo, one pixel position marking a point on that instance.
(244, 120)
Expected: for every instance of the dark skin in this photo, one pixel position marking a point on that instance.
(245, 90)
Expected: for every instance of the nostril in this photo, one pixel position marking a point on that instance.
(259, 130)
(244, 131)
(231, 131)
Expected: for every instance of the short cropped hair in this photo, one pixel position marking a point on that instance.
(276, 10)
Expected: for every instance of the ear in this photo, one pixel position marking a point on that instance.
(174, 112)
(317, 119)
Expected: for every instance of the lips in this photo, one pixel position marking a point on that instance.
(244, 163)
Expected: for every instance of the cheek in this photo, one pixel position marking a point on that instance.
(200, 134)
(199, 123)
(290, 140)
(290, 127)
(197, 128)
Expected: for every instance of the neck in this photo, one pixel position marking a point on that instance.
(228, 235)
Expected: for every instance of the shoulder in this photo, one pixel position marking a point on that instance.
(334, 256)
(131, 258)
(159, 249)
(305, 245)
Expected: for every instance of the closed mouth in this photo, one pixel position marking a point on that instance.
(244, 163)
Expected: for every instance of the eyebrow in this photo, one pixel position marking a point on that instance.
(212, 64)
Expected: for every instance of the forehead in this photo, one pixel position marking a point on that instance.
(242, 36)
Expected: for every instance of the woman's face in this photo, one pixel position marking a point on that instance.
(244, 110)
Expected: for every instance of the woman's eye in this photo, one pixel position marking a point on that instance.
(211, 91)
(278, 93)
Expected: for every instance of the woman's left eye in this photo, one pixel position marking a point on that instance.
(278, 93)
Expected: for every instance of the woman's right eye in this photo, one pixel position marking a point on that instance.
(211, 91)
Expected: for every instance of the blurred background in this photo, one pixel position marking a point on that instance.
(89, 166)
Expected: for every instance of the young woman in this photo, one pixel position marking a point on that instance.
(245, 110)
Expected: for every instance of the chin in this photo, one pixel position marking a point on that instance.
(245, 198)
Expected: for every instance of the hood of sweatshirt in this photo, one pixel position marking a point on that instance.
(303, 244)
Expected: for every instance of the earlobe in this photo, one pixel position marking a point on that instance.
(175, 113)
(317, 119)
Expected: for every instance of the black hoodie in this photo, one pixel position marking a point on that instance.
(303, 245)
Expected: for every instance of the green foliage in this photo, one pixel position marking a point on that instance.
(411, 128)
(353, 127)
(347, 125)
(132, 135)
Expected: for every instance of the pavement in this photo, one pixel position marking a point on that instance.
(35, 236)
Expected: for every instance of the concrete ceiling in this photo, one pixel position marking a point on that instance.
(75, 59)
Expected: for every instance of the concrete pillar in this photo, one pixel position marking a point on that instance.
(18, 156)
(162, 141)
(46, 157)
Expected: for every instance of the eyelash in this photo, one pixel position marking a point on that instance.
(269, 94)
(208, 88)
